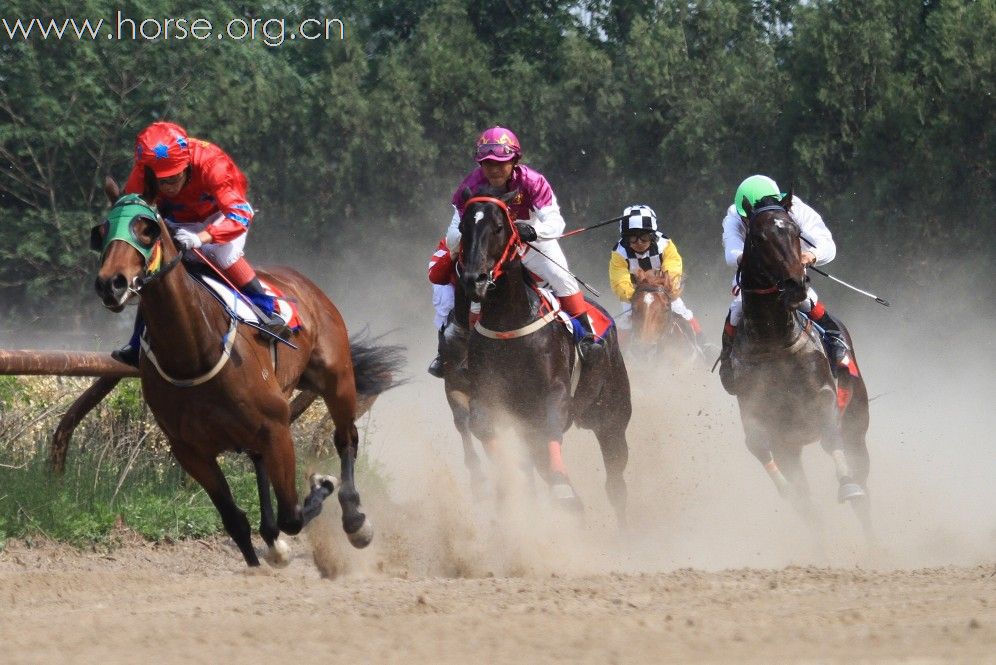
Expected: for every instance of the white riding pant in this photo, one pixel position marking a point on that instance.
(442, 301)
(222, 254)
(737, 306)
(552, 270)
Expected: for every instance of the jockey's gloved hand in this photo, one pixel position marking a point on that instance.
(187, 239)
(526, 232)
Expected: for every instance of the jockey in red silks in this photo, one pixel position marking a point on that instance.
(538, 221)
(201, 195)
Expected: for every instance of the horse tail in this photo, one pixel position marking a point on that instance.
(377, 368)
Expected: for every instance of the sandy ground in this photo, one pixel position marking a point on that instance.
(193, 602)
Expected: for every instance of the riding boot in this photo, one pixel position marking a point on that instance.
(588, 345)
(725, 359)
(265, 306)
(436, 366)
(129, 353)
(833, 337)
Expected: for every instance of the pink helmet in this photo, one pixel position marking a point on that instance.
(163, 147)
(498, 144)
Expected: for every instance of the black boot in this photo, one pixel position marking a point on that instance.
(129, 353)
(264, 305)
(725, 360)
(833, 341)
(437, 366)
(589, 348)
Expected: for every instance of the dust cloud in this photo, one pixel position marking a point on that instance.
(697, 496)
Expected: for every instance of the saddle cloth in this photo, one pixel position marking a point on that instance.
(284, 307)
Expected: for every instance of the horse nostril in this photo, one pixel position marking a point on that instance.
(119, 283)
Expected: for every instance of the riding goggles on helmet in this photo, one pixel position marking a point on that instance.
(502, 151)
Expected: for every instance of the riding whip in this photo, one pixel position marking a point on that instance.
(586, 228)
(580, 281)
(880, 301)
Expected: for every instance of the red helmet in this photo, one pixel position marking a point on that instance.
(162, 146)
(498, 144)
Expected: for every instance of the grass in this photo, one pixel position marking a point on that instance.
(120, 471)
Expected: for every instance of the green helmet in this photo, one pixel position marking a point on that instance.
(755, 188)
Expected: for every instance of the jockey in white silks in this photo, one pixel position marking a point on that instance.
(818, 249)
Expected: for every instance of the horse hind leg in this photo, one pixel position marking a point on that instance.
(358, 527)
(208, 474)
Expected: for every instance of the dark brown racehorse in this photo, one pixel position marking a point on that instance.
(521, 365)
(216, 386)
(787, 393)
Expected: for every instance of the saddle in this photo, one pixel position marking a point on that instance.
(240, 307)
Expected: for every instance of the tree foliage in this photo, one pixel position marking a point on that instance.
(879, 110)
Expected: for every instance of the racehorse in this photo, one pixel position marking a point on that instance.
(657, 332)
(215, 385)
(787, 393)
(520, 360)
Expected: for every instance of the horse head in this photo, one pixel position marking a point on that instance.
(772, 259)
(651, 305)
(133, 243)
(488, 240)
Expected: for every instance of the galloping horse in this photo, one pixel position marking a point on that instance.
(215, 385)
(787, 393)
(520, 360)
(656, 330)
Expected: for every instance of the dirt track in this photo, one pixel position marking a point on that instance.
(194, 602)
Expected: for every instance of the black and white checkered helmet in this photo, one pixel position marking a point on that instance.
(638, 219)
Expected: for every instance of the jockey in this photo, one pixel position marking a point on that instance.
(498, 154)
(201, 195)
(642, 246)
(819, 250)
(442, 276)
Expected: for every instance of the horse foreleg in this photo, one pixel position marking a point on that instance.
(460, 408)
(279, 553)
(208, 474)
(615, 455)
(759, 445)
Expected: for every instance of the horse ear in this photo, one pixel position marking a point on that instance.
(508, 198)
(465, 195)
(748, 208)
(111, 189)
(787, 201)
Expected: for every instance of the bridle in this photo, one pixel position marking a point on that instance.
(512, 246)
(777, 285)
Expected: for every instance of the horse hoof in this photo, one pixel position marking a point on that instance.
(278, 556)
(563, 492)
(849, 491)
(362, 536)
(319, 480)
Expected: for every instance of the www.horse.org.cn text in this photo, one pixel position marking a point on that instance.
(270, 31)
